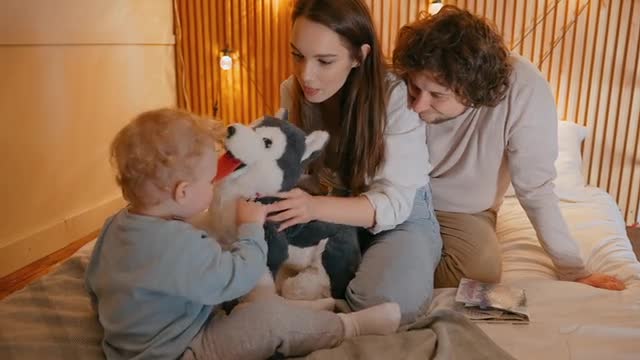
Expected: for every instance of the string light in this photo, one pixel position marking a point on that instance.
(226, 62)
(435, 6)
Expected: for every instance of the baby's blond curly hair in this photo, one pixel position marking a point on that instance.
(158, 149)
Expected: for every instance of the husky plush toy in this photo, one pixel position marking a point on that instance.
(310, 261)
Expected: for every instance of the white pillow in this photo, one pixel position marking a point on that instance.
(569, 162)
(570, 179)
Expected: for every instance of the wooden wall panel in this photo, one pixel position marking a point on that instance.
(257, 32)
(588, 50)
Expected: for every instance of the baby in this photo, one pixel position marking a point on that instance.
(157, 282)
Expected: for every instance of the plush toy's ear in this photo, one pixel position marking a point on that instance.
(314, 143)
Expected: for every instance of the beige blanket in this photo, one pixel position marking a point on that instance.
(52, 319)
(443, 334)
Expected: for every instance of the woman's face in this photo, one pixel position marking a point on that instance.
(321, 60)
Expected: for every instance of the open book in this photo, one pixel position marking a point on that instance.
(496, 303)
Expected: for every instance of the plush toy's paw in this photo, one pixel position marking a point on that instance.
(310, 284)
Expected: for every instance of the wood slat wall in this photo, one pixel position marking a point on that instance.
(588, 50)
(257, 32)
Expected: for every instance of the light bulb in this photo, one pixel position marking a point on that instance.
(434, 7)
(226, 62)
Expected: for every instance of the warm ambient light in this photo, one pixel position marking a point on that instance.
(226, 62)
(435, 6)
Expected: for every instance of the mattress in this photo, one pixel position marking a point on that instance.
(52, 318)
(569, 320)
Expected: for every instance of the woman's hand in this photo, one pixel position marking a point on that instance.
(603, 281)
(297, 207)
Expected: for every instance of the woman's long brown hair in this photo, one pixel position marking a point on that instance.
(356, 147)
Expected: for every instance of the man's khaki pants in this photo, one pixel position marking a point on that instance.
(469, 248)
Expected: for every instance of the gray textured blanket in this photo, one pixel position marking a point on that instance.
(443, 334)
(52, 319)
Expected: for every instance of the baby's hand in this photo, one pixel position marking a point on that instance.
(250, 212)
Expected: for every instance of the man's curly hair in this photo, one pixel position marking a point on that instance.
(461, 51)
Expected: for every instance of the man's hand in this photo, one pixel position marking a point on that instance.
(603, 281)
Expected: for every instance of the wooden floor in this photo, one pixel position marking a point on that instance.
(24, 276)
(19, 279)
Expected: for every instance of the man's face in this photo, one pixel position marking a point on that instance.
(433, 101)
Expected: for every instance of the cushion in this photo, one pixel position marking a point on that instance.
(570, 179)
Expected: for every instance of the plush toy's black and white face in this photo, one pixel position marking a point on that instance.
(260, 161)
(268, 157)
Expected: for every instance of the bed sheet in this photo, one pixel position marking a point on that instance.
(594, 221)
(568, 321)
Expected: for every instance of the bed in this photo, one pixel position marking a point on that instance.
(52, 317)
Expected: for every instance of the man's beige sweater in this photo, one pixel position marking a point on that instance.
(476, 154)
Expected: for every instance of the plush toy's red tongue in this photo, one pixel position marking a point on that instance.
(226, 165)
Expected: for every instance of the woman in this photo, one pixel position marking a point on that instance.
(374, 171)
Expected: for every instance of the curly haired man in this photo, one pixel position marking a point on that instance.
(491, 119)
